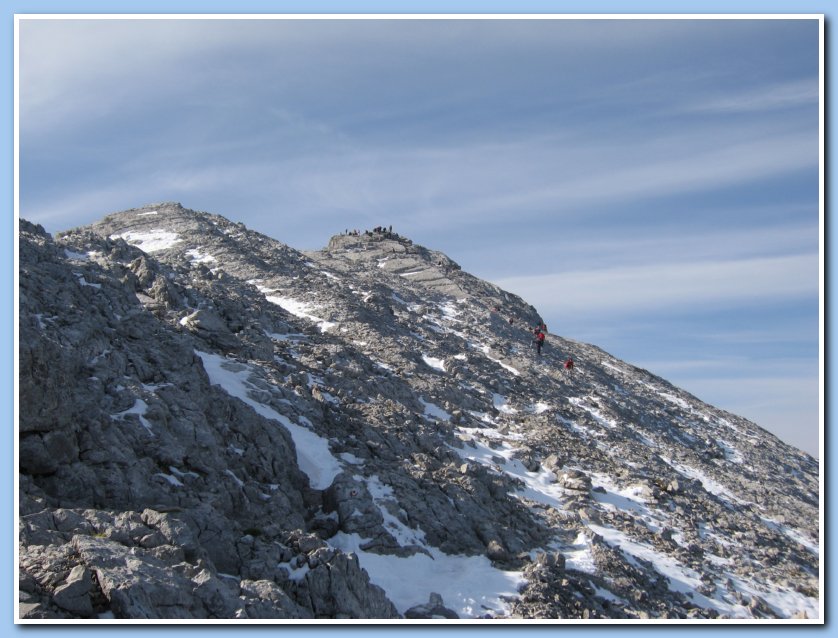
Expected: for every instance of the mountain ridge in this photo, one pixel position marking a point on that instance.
(188, 386)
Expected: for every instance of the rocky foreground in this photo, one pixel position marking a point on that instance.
(214, 425)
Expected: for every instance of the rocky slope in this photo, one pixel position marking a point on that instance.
(215, 425)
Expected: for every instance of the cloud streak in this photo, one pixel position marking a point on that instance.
(764, 98)
(672, 285)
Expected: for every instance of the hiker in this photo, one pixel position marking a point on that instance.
(539, 341)
(568, 366)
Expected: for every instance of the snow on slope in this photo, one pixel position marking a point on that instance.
(313, 454)
(150, 241)
(609, 422)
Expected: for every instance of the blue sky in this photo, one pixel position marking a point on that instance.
(651, 186)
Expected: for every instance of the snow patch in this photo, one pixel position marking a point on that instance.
(83, 282)
(681, 578)
(350, 458)
(382, 496)
(150, 241)
(139, 408)
(675, 400)
(313, 454)
(731, 453)
(69, 254)
(437, 364)
(539, 408)
(469, 585)
(709, 484)
(196, 256)
(434, 411)
(298, 309)
(596, 414)
(579, 555)
(618, 499)
(171, 480)
(501, 404)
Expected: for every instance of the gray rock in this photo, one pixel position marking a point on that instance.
(73, 595)
(434, 608)
(187, 499)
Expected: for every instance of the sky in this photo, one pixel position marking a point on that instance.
(650, 186)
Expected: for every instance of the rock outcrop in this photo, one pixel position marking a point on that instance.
(215, 425)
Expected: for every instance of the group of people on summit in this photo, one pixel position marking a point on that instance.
(378, 230)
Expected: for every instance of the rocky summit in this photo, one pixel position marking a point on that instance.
(213, 425)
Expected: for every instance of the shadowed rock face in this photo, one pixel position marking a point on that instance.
(207, 415)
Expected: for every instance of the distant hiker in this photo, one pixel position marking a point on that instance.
(539, 341)
(568, 365)
(511, 321)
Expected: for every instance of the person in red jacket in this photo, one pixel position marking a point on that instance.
(539, 341)
(568, 365)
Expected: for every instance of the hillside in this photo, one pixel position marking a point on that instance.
(215, 425)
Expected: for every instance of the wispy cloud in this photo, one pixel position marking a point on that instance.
(762, 98)
(674, 285)
(301, 143)
(445, 186)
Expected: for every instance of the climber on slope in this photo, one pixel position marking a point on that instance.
(568, 366)
(539, 341)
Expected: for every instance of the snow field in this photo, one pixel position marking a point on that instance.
(469, 585)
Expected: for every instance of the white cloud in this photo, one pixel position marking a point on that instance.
(443, 186)
(673, 285)
(606, 247)
(764, 98)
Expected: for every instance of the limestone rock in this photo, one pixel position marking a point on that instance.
(206, 424)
